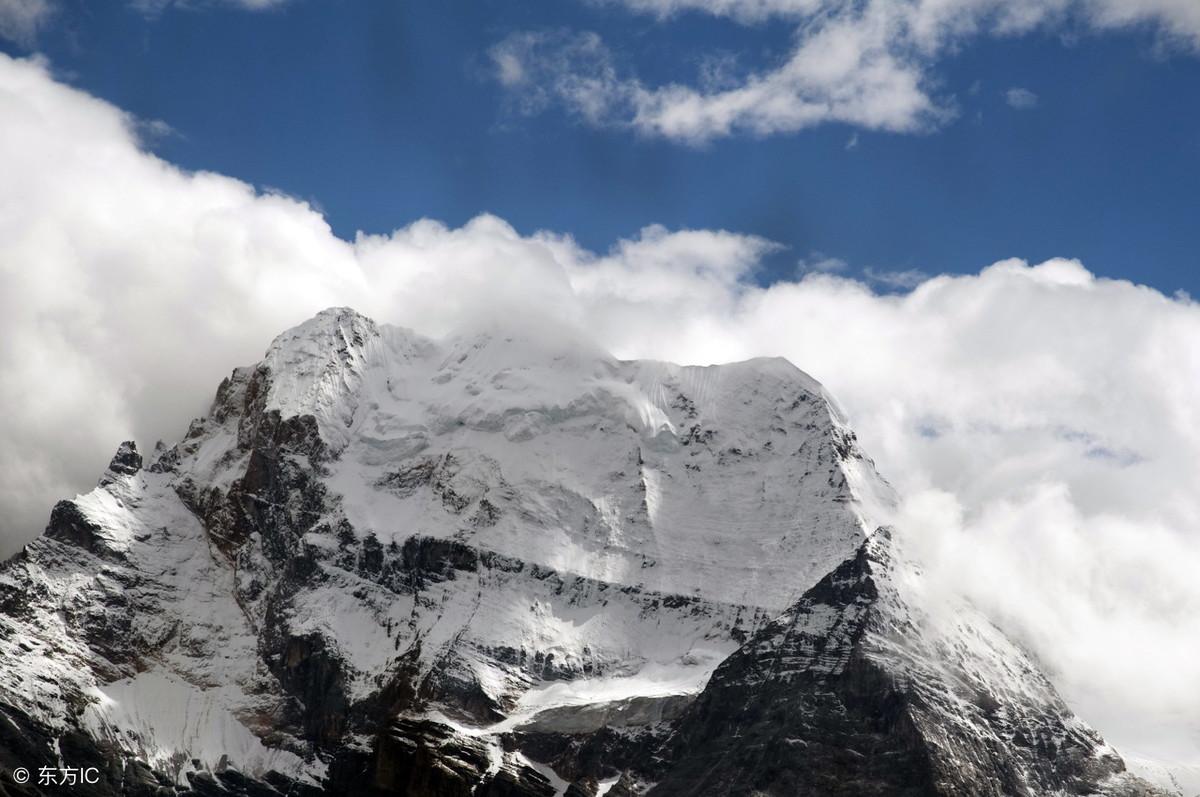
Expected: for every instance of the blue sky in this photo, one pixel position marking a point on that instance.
(380, 113)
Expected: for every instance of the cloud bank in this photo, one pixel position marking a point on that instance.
(868, 63)
(1043, 423)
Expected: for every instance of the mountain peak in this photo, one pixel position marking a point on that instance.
(317, 368)
(126, 462)
(334, 335)
(328, 321)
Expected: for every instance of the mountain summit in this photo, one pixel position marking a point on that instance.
(506, 564)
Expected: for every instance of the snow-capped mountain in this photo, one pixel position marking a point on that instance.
(506, 564)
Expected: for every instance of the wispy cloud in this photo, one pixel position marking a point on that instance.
(20, 20)
(870, 64)
(1021, 99)
(905, 279)
(818, 263)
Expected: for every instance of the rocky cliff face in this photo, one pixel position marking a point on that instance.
(494, 566)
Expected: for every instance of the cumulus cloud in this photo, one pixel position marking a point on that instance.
(870, 64)
(1043, 423)
(1021, 99)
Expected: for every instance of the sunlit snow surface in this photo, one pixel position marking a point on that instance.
(685, 480)
(168, 721)
(664, 509)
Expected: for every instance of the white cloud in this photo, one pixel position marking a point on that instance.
(1178, 19)
(1044, 423)
(1021, 99)
(871, 64)
(932, 18)
(843, 71)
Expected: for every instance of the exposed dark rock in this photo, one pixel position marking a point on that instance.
(586, 786)
(165, 459)
(838, 697)
(626, 786)
(68, 524)
(420, 758)
(600, 754)
(26, 743)
(310, 671)
(126, 462)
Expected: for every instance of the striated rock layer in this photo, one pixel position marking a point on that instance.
(498, 566)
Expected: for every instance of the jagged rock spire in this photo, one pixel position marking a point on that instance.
(126, 462)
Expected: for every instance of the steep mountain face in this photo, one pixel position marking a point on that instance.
(499, 566)
(856, 689)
